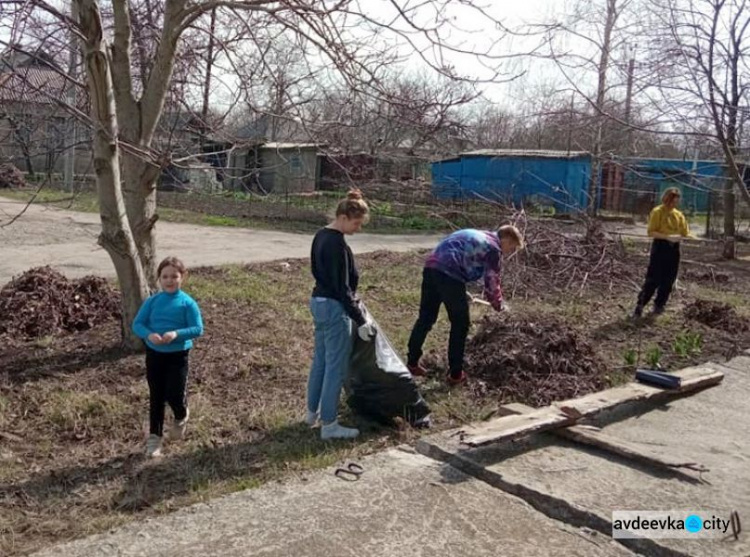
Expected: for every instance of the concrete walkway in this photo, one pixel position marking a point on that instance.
(540, 496)
(66, 240)
(404, 504)
(582, 486)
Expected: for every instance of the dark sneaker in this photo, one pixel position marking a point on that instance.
(453, 381)
(417, 370)
(658, 310)
(638, 312)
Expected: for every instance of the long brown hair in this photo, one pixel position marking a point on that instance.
(353, 205)
(171, 262)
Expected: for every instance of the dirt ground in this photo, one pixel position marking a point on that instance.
(73, 404)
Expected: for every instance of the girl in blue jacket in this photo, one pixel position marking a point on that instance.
(168, 322)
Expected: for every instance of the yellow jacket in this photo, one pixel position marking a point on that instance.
(667, 221)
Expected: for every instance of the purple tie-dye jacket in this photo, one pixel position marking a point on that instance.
(468, 255)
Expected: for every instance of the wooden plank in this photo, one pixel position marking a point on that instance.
(593, 436)
(566, 413)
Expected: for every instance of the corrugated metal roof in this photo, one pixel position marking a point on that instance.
(281, 146)
(497, 153)
(33, 85)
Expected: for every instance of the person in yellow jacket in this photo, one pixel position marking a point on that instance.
(667, 226)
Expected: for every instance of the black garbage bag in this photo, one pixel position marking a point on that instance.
(378, 384)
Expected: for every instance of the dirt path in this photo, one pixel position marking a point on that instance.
(66, 240)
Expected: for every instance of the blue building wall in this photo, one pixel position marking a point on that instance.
(561, 182)
(695, 179)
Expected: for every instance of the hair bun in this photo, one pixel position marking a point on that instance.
(354, 193)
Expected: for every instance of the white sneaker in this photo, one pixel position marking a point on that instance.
(336, 431)
(178, 427)
(311, 419)
(153, 446)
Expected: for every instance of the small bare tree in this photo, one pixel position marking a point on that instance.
(130, 64)
(597, 29)
(406, 114)
(700, 72)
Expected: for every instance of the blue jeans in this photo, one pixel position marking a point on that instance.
(333, 345)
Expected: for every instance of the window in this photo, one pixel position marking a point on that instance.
(295, 163)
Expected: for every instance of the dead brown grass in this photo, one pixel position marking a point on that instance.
(73, 407)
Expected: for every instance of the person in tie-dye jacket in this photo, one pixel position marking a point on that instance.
(464, 256)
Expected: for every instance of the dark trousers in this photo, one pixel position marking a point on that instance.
(661, 274)
(438, 288)
(167, 374)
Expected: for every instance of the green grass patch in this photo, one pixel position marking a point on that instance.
(237, 284)
(687, 343)
(653, 356)
(77, 201)
(733, 298)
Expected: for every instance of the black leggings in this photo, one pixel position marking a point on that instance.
(661, 274)
(438, 288)
(167, 374)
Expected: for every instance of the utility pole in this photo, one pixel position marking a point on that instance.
(628, 106)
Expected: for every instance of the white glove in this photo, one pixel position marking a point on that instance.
(366, 332)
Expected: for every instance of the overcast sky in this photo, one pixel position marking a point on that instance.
(473, 31)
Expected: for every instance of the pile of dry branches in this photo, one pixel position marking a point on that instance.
(559, 260)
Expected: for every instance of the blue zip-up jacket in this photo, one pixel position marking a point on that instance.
(164, 312)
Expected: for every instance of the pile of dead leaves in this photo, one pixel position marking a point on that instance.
(716, 315)
(11, 177)
(532, 360)
(42, 302)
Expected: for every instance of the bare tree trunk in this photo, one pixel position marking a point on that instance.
(725, 110)
(207, 82)
(601, 91)
(18, 134)
(116, 237)
(139, 121)
(139, 190)
(729, 251)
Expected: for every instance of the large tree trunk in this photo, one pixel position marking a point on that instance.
(138, 124)
(139, 189)
(116, 236)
